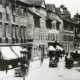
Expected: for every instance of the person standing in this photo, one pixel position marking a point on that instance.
(41, 61)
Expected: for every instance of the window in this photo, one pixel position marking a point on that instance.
(37, 21)
(24, 32)
(14, 18)
(25, 12)
(65, 38)
(48, 36)
(21, 11)
(49, 24)
(71, 28)
(13, 9)
(70, 38)
(6, 4)
(7, 10)
(65, 26)
(41, 36)
(13, 31)
(7, 30)
(53, 25)
(57, 37)
(0, 15)
(57, 26)
(53, 37)
(7, 17)
(17, 10)
(17, 31)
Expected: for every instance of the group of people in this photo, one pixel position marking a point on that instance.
(68, 62)
(60, 54)
(56, 55)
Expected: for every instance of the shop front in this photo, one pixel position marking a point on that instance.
(8, 58)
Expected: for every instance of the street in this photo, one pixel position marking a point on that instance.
(45, 73)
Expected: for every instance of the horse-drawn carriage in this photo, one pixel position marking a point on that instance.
(69, 62)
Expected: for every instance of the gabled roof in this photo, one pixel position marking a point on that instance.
(34, 13)
(50, 7)
(33, 2)
(58, 11)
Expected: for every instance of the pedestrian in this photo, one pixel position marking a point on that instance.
(61, 56)
(41, 61)
(6, 68)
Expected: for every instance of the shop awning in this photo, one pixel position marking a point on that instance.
(59, 48)
(17, 50)
(7, 53)
(24, 50)
(51, 48)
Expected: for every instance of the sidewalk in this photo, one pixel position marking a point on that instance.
(33, 65)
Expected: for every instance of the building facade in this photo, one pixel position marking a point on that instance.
(37, 25)
(36, 31)
(56, 25)
(76, 19)
(13, 22)
(68, 29)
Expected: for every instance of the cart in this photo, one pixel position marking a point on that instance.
(53, 63)
(21, 72)
(18, 72)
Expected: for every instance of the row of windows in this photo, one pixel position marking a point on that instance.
(22, 11)
(68, 38)
(14, 40)
(14, 31)
(19, 10)
(68, 26)
(15, 9)
(42, 36)
(68, 47)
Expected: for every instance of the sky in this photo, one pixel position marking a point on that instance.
(72, 5)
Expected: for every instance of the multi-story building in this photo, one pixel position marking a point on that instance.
(55, 29)
(68, 28)
(76, 19)
(13, 27)
(13, 22)
(36, 29)
(36, 25)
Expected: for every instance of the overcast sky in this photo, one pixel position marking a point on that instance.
(72, 5)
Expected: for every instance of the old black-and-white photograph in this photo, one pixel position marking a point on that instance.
(39, 40)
